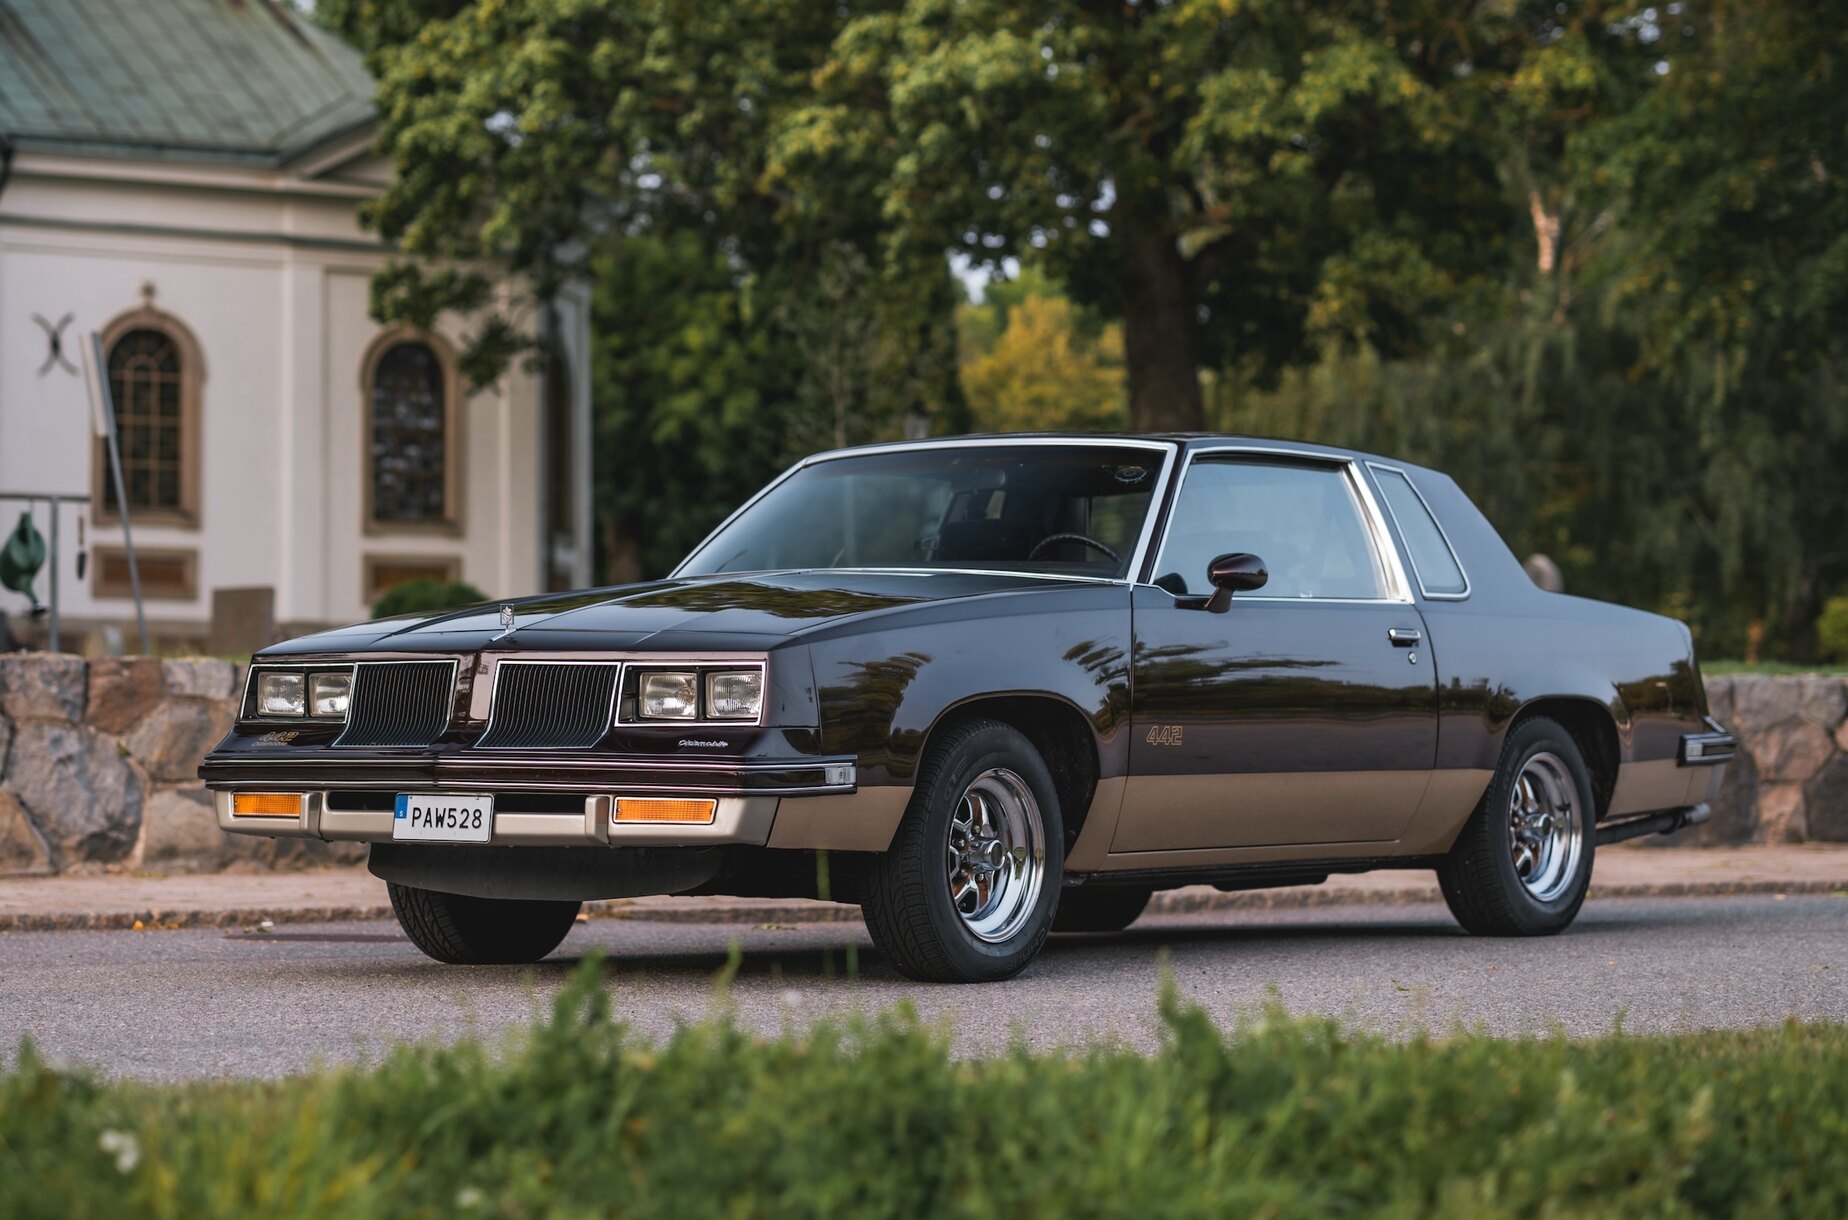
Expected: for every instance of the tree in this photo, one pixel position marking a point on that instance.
(626, 143)
(1235, 182)
(1047, 369)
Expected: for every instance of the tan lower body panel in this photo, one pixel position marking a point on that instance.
(1263, 809)
(1644, 787)
(1445, 803)
(854, 821)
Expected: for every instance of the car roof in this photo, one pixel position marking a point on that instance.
(1186, 441)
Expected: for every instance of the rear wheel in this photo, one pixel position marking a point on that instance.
(1522, 865)
(466, 931)
(966, 892)
(1100, 908)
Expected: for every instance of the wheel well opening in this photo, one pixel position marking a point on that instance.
(1595, 734)
(1060, 734)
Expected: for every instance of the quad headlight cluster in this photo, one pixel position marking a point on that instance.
(312, 694)
(700, 694)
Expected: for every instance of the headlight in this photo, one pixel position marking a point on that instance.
(734, 694)
(329, 694)
(279, 693)
(670, 696)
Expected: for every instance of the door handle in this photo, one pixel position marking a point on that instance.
(1404, 637)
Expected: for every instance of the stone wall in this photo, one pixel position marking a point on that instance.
(1789, 784)
(98, 766)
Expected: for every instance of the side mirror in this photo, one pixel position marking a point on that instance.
(1234, 573)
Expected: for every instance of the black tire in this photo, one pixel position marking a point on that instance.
(465, 931)
(907, 902)
(1100, 908)
(1481, 881)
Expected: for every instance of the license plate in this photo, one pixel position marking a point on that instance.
(443, 818)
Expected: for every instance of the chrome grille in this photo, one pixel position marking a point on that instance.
(399, 703)
(550, 705)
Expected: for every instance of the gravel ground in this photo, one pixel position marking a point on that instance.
(209, 1003)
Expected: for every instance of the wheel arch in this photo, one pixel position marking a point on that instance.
(1055, 727)
(1593, 728)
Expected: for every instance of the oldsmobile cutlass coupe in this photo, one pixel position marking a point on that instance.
(995, 687)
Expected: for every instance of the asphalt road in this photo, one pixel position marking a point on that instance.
(207, 1003)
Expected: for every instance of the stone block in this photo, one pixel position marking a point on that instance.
(1781, 813)
(1761, 701)
(180, 830)
(122, 691)
(243, 621)
(1822, 700)
(1825, 800)
(1790, 752)
(23, 852)
(42, 686)
(6, 740)
(177, 735)
(82, 793)
(1841, 738)
(201, 678)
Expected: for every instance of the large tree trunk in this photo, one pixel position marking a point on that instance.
(1161, 340)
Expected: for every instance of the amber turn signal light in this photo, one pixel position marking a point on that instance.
(662, 809)
(266, 805)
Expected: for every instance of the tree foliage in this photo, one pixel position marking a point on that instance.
(1589, 256)
(1034, 361)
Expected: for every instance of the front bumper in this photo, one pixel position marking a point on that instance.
(737, 819)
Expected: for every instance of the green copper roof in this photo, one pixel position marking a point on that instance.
(248, 81)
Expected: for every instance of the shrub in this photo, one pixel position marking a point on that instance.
(426, 597)
(1832, 629)
(873, 1117)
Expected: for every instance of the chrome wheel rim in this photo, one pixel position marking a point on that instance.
(996, 861)
(1544, 827)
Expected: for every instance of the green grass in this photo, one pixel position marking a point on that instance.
(1278, 1118)
(1721, 669)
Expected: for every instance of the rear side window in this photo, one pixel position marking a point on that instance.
(1435, 564)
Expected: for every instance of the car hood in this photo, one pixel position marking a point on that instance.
(718, 613)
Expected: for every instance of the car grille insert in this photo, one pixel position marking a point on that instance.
(550, 705)
(399, 703)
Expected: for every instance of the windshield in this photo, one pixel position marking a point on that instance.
(1054, 509)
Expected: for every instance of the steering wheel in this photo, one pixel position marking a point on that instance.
(1086, 539)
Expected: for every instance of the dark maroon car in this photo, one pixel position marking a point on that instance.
(990, 688)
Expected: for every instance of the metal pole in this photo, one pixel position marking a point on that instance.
(96, 373)
(56, 510)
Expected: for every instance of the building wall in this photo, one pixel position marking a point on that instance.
(270, 273)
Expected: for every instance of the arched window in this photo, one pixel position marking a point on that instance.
(411, 440)
(154, 382)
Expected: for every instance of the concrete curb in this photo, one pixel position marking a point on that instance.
(786, 911)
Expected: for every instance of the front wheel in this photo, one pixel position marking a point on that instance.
(466, 931)
(1522, 865)
(967, 890)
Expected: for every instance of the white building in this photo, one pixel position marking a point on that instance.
(184, 178)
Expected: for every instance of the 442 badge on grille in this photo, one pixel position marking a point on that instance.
(443, 818)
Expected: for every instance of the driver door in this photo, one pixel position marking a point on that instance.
(1306, 713)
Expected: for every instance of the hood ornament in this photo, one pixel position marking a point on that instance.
(507, 624)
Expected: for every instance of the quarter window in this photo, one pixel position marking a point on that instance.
(1435, 564)
(1302, 520)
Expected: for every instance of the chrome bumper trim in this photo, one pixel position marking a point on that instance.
(739, 819)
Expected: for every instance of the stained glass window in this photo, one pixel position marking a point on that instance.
(410, 441)
(145, 371)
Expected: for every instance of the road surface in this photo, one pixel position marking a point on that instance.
(210, 1003)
